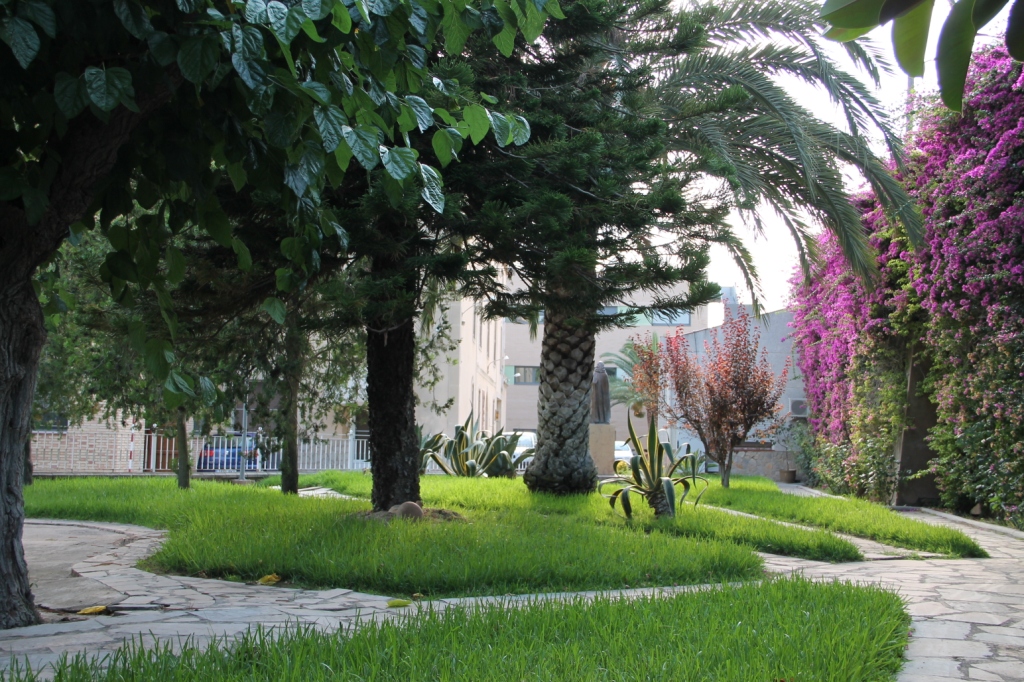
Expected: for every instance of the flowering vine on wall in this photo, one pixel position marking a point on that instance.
(960, 301)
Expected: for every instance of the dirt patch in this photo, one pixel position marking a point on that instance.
(429, 514)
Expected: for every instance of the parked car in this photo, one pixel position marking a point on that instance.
(223, 452)
(527, 441)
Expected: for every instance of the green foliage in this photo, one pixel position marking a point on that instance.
(650, 475)
(911, 20)
(798, 436)
(473, 452)
(249, 101)
(843, 515)
(802, 630)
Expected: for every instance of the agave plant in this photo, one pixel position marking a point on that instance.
(650, 475)
(473, 452)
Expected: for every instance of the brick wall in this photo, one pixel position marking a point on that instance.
(93, 447)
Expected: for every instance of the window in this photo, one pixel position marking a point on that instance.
(669, 319)
(611, 371)
(51, 421)
(609, 310)
(526, 375)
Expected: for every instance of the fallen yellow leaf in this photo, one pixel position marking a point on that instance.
(269, 579)
(92, 610)
(396, 603)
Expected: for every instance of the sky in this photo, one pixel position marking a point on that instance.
(774, 252)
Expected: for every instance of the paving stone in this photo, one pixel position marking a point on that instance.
(941, 629)
(976, 617)
(1011, 670)
(936, 648)
(978, 674)
(931, 668)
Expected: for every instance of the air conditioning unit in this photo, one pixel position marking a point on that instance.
(798, 408)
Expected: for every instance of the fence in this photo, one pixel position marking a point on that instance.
(108, 450)
(121, 451)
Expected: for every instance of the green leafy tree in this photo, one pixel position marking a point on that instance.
(573, 212)
(109, 105)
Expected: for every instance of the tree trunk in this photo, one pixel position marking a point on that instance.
(394, 446)
(293, 368)
(726, 467)
(28, 461)
(562, 462)
(88, 152)
(181, 444)
(21, 340)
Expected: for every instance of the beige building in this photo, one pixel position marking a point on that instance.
(523, 363)
(473, 380)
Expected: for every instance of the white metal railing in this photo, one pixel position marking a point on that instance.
(220, 453)
(111, 451)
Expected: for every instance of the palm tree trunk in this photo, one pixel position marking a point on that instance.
(562, 463)
(659, 503)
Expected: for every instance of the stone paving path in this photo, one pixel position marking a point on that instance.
(968, 615)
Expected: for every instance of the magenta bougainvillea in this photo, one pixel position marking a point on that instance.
(960, 299)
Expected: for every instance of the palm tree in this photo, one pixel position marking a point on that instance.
(621, 387)
(734, 120)
(626, 99)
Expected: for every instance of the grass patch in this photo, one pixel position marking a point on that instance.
(779, 630)
(844, 515)
(221, 530)
(508, 496)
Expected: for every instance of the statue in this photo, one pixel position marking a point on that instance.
(600, 397)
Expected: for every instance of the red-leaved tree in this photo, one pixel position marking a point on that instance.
(647, 374)
(733, 394)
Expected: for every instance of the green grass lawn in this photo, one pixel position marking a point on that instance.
(844, 515)
(511, 542)
(508, 496)
(776, 630)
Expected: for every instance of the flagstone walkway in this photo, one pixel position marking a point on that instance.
(968, 614)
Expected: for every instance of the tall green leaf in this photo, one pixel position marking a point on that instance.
(910, 37)
(953, 57)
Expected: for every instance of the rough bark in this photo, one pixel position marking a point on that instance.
(21, 339)
(28, 462)
(726, 467)
(659, 503)
(181, 443)
(87, 153)
(293, 366)
(394, 446)
(562, 462)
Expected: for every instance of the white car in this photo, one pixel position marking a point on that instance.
(527, 441)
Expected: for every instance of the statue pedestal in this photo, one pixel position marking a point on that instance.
(602, 448)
